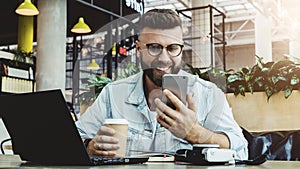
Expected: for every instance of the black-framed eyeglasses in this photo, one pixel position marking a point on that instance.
(155, 49)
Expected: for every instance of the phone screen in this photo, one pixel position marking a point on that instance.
(177, 84)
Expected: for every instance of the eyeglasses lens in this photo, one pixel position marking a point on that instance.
(174, 49)
(155, 49)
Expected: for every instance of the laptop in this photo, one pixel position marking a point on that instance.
(43, 131)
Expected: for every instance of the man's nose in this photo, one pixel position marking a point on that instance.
(164, 56)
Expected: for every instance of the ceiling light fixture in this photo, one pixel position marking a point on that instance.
(27, 9)
(81, 27)
(93, 65)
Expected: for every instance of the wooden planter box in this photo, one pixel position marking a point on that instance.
(255, 113)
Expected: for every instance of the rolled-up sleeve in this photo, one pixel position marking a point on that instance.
(239, 144)
(219, 118)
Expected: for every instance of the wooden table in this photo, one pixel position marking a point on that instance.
(13, 161)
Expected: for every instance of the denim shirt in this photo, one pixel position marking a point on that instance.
(125, 99)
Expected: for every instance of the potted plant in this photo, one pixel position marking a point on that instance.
(262, 97)
(270, 77)
(95, 85)
(21, 56)
(128, 69)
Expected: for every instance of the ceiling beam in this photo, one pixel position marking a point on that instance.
(229, 2)
(237, 19)
(185, 3)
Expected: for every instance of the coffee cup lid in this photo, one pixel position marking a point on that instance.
(206, 145)
(115, 121)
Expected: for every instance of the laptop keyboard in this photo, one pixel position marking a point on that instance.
(117, 160)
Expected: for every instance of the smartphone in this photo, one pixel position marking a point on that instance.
(177, 84)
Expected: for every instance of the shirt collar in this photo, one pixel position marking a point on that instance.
(137, 95)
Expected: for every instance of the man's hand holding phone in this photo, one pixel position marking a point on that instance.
(172, 112)
(182, 121)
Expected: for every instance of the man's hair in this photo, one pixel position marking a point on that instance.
(159, 19)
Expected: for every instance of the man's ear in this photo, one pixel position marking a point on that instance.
(137, 45)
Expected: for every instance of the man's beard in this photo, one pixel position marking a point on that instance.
(155, 77)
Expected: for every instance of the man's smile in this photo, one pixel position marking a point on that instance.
(163, 70)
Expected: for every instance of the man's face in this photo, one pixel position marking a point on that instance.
(155, 66)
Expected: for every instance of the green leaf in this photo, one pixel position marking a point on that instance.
(269, 92)
(265, 69)
(295, 80)
(233, 78)
(260, 84)
(251, 88)
(247, 78)
(242, 90)
(287, 92)
(274, 79)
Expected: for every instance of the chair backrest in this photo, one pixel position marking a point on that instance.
(283, 145)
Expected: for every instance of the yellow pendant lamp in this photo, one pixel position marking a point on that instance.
(93, 65)
(27, 9)
(81, 27)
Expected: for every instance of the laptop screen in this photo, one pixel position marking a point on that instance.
(42, 129)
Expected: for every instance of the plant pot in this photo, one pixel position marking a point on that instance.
(255, 113)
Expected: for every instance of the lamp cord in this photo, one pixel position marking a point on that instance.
(1, 145)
